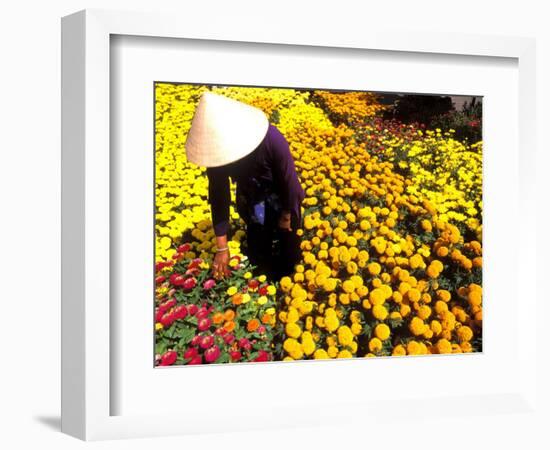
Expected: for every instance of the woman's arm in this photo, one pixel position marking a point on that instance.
(219, 197)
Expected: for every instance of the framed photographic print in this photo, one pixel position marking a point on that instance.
(291, 217)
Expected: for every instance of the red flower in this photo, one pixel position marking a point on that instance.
(184, 248)
(177, 279)
(190, 353)
(189, 283)
(195, 263)
(207, 341)
(229, 338)
(263, 290)
(196, 360)
(235, 355)
(196, 339)
(168, 358)
(202, 313)
(253, 284)
(167, 319)
(192, 309)
(212, 354)
(180, 312)
(262, 356)
(204, 324)
(160, 279)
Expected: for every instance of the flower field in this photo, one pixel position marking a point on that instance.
(391, 239)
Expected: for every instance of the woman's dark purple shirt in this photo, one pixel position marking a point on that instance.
(271, 164)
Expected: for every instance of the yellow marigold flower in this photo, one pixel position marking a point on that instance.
(292, 330)
(375, 345)
(377, 296)
(397, 297)
(417, 326)
(374, 268)
(382, 331)
(356, 328)
(286, 283)
(443, 346)
(379, 312)
(271, 290)
(413, 348)
(262, 278)
(320, 354)
(466, 347)
(345, 354)
(332, 323)
(348, 286)
(474, 297)
(444, 295)
(399, 350)
(262, 300)
(329, 285)
(158, 326)
(413, 294)
(464, 333)
(308, 345)
(245, 298)
(345, 336)
(292, 315)
(290, 345)
(424, 312)
(436, 327)
(332, 351)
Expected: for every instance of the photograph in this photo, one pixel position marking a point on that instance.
(303, 223)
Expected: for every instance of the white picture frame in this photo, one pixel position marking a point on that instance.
(86, 244)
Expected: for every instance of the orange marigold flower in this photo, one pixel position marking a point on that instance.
(229, 326)
(237, 299)
(218, 318)
(229, 315)
(252, 325)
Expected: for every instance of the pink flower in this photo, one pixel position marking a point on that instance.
(244, 343)
(209, 284)
(261, 329)
(212, 354)
(229, 338)
(192, 309)
(196, 339)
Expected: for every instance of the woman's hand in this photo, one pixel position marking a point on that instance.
(284, 221)
(220, 266)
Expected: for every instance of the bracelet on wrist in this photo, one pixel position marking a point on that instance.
(221, 250)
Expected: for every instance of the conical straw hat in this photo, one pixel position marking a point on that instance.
(224, 130)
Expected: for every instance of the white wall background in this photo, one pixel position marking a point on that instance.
(30, 187)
